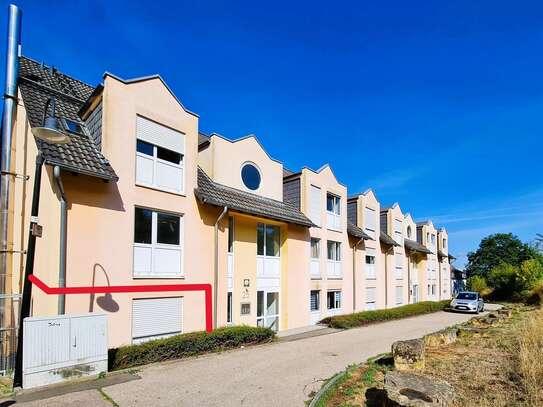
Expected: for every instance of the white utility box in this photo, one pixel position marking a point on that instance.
(63, 347)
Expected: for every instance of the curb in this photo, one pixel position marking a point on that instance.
(325, 388)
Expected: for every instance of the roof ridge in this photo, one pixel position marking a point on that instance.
(57, 70)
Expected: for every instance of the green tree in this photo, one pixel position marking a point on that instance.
(503, 279)
(496, 249)
(529, 274)
(478, 283)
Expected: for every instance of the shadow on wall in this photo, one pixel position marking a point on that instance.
(106, 301)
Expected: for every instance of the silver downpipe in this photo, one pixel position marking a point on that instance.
(62, 239)
(216, 269)
(10, 101)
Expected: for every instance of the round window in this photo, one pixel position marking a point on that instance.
(250, 176)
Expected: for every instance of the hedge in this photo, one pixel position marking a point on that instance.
(368, 317)
(190, 344)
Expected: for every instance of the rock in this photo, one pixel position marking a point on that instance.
(505, 312)
(468, 330)
(440, 338)
(409, 355)
(415, 390)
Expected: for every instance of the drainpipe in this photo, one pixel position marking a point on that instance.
(29, 270)
(354, 273)
(216, 277)
(10, 100)
(62, 239)
(409, 278)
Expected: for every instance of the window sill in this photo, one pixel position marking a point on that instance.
(316, 278)
(158, 277)
(335, 278)
(371, 278)
(155, 188)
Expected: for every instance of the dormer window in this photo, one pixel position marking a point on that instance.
(409, 232)
(72, 126)
(250, 175)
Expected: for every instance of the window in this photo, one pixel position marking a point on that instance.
(157, 244)
(250, 176)
(370, 298)
(229, 308)
(429, 290)
(159, 156)
(73, 127)
(315, 248)
(398, 235)
(398, 271)
(409, 232)
(433, 239)
(332, 203)
(315, 212)
(444, 243)
(399, 295)
(333, 300)
(427, 238)
(230, 234)
(154, 318)
(333, 211)
(370, 265)
(315, 300)
(369, 221)
(334, 250)
(267, 240)
(433, 289)
(334, 259)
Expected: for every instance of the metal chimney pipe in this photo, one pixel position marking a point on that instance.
(10, 101)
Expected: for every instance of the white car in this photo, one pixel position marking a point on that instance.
(468, 301)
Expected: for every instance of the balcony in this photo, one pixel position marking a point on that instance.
(315, 269)
(333, 269)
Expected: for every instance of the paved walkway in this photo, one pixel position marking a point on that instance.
(278, 374)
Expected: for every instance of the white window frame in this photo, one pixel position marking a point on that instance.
(318, 302)
(154, 245)
(334, 216)
(314, 262)
(398, 265)
(398, 232)
(370, 267)
(336, 301)
(334, 264)
(155, 160)
(315, 204)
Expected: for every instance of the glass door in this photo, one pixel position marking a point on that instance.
(267, 309)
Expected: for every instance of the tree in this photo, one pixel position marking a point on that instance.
(503, 279)
(530, 274)
(496, 249)
(539, 241)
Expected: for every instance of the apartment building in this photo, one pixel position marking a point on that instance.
(138, 195)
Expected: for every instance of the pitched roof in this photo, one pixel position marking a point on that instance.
(357, 232)
(441, 254)
(81, 155)
(212, 193)
(386, 239)
(415, 246)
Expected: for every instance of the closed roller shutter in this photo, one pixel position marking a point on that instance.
(154, 318)
(160, 135)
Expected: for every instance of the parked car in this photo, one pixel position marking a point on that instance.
(468, 301)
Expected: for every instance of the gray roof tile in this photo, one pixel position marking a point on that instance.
(355, 231)
(37, 84)
(212, 193)
(415, 246)
(386, 239)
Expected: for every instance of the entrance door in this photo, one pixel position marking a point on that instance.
(267, 309)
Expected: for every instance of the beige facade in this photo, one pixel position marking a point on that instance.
(152, 226)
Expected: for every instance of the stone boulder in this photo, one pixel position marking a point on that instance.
(409, 355)
(439, 338)
(504, 312)
(409, 389)
(468, 330)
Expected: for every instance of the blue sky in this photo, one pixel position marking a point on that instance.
(436, 105)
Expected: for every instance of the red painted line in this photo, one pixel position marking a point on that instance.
(206, 288)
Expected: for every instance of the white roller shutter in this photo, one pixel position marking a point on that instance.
(315, 212)
(154, 318)
(370, 221)
(160, 135)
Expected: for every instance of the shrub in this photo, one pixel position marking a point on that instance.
(535, 295)
(190, 344)
(367, 317)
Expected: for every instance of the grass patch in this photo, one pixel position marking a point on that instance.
(190, 344)
(530, 357)
(368, 317)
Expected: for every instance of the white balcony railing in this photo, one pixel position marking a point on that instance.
(315, 269)
(333, 269)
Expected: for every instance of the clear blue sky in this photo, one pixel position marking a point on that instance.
(435, 104)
